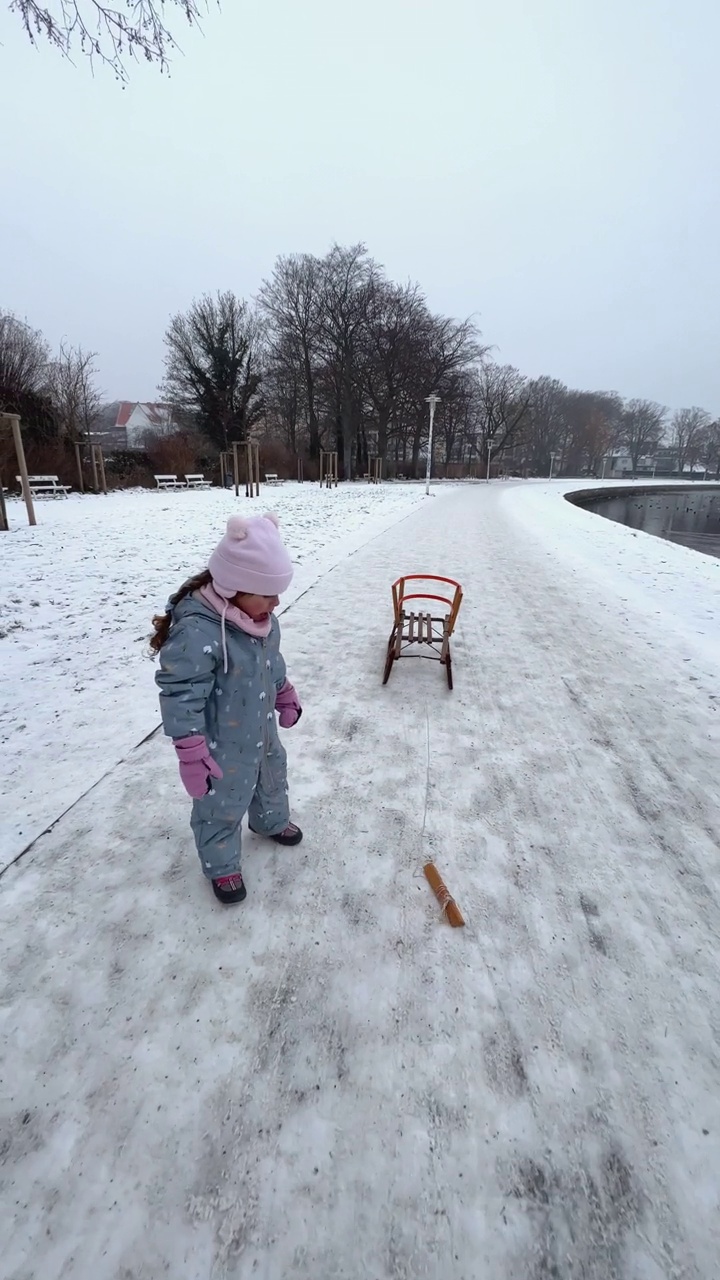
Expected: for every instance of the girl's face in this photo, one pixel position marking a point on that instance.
(256, 607)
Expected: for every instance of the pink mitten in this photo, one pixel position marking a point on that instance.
(287, 704)
(197, 766)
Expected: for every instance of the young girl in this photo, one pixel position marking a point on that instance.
(222, 678)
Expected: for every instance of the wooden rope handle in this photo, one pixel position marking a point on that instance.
(448, 905)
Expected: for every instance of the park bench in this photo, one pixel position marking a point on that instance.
(196, 480)
(46, 487)
(271, 477)
(169, 482)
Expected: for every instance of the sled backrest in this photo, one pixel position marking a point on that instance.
(400, 595)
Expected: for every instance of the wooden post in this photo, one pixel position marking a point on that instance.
(328, 469)
(78, 459)
(13, 420)
(99, 466)
(301, 475)
(95, 476)
(4, 526)
(252, 470)
(236, 469)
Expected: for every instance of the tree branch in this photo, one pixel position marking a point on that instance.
(108, 35)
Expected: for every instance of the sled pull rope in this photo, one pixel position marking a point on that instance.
(448, 905)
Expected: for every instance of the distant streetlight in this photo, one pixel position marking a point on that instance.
(489, 449)
(553, 456)
(433, 400)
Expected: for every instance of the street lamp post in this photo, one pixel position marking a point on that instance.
(433, 400)
(489, 449)
(553, 456)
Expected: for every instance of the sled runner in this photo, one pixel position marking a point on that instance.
(420, 626)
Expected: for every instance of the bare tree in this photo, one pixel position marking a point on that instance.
(348, 275)
(284, 390)
(396, 318)
(291, 302)
(544, 429)
(444, 348)
(459, 417)
(687, 429)
(214, 367)
(504, 399)
(709, 454)
(72, 386)
(108, 35)
(592, 425)
(641, 429)
(24, 355)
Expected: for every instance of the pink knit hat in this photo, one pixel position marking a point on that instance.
(251, 558)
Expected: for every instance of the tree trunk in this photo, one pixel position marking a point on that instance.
(347, 453)
(417, 439)
(347, 429)
(363, 453)
(383, 420)
(313, 424)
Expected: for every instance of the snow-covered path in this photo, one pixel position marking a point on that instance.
(328, 1082)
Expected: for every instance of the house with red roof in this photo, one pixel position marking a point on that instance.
(124, 424)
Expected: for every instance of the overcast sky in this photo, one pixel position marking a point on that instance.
(551, 165)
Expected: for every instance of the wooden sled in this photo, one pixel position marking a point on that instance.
(420, 627)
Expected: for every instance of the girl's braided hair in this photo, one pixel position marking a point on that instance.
(161, 621)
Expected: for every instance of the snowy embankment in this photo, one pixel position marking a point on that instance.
(328, 1083)
(76, 597)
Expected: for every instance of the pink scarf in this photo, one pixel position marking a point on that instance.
(234, 615)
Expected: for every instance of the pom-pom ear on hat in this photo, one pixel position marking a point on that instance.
(270, 515)
(237, 528)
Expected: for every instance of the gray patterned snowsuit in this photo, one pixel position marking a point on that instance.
(236, 714)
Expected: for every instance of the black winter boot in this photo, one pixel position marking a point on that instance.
(230, 888)
(291, 835)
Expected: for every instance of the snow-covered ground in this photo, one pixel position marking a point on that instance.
(328, 1082)
(76, 597)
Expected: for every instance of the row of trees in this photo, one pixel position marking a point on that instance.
(55, 393)
(581, 429)
(333, 354)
